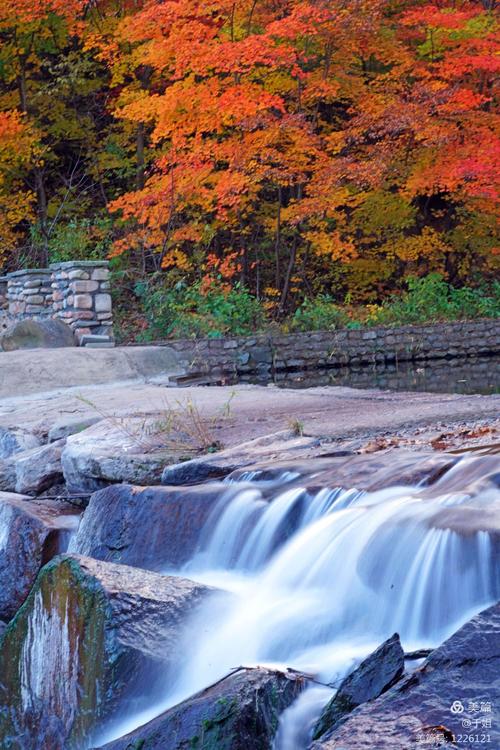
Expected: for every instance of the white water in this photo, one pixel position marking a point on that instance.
(320, 580)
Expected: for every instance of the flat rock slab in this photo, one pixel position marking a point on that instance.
(38, 371)
(31, 533)
(150, 527)
(459, 681)
(90, 636)
(335, 413)
(280, 445)
(240, 712)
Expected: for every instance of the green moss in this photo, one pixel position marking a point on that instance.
(78, 598)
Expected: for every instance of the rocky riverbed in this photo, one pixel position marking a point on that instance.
(234, 568)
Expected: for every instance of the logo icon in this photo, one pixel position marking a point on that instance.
(457, 707)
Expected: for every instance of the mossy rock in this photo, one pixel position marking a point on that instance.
(90, 636)
(238, 713)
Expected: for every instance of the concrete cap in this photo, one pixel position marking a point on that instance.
(29, 272)
(79, 264)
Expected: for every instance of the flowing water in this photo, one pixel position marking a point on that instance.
(320, 575)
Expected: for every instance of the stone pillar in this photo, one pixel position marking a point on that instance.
(81, 298)
(29, 293)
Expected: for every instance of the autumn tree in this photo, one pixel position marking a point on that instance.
(295, 148)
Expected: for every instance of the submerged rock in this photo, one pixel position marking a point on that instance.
(150, 527)
(376, 674)
(458, 683)
(31, 533)
(89, 636)
(37, 334)
(240, 712)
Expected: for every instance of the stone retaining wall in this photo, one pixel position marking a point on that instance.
(77, 292)
(242, 357)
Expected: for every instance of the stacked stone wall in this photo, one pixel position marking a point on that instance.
(77, 292)
(29, 293)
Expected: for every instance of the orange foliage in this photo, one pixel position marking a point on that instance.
(302, 135)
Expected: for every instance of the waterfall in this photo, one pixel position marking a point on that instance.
(320, 577)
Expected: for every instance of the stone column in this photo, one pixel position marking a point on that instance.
(29, 293)
(81, 298)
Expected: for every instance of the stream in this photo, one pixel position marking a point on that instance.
(317, 576)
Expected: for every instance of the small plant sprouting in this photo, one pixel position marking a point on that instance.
(296, 426)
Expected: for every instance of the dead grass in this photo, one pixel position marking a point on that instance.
(180, 427)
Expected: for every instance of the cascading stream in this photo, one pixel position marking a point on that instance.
(320, 578)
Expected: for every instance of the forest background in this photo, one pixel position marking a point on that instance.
(248, 164)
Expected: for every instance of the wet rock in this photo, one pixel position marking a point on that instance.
(114, 450)
(90, 636)
(238, 713)
(279, 445)
(63, 428)
(15, 441)
(376, 674)
(37, 334)
(31, 533)
(150, 527)
(39, 468)
(417, 711)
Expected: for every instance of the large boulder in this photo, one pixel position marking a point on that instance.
(452, 695)
(39, 468)
(16, 440)
(7, 475)
(90, 637)
(31, 533)
(115, 450)
(240, 712)
(37, 334)
(376, 674)
(150, 527)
